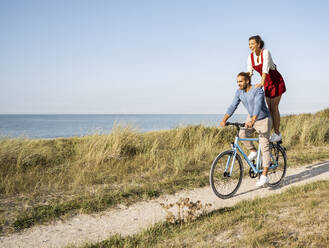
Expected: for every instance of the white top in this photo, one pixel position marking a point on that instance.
(267, 62)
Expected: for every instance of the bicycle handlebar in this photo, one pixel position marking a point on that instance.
(237, 124)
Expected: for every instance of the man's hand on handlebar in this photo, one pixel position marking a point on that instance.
(223, 124)
(249, 124)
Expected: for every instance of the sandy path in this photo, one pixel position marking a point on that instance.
(126, 221)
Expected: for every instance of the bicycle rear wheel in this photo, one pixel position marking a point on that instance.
(278, 165)
(222, 181)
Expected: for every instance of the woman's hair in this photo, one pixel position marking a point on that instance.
(259, 40)
(246, 76)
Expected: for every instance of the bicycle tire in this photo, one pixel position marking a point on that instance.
(216, 175)
(280, 154)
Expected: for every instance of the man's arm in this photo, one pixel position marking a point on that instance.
(224, 120)
(258, 101)
(231, 108)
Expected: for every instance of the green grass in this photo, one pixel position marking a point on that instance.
(41, 180)
(295, 218)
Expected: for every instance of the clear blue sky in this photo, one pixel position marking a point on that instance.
(173, 56)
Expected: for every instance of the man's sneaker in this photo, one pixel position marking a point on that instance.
(262, 181)
(252, 156)
(275, 138)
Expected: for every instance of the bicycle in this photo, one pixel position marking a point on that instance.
(226, 175)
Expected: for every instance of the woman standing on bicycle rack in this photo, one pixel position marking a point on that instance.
(258, 119)
(260, 60)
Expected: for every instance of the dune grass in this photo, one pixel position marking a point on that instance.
(295, 218)
(44, 179)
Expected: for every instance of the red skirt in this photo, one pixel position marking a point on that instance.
(274, 84)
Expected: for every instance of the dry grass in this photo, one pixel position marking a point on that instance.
(44, 179)
(186, 210)
(295, 218)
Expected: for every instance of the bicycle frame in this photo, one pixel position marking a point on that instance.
(236, 147)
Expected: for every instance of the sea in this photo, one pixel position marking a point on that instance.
(68, 125)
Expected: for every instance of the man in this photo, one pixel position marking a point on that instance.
(258, 119)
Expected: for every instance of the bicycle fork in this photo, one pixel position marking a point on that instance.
(228, 163)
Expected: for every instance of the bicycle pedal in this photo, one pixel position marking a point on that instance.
(252, 174)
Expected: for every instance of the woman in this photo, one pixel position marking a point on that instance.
(260, 60)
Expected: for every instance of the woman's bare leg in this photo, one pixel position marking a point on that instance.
(273, 105)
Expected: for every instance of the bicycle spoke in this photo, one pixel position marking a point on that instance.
(277, 172)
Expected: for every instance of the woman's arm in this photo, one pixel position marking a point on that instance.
(262, 82)
(250, 69)
(266, 67)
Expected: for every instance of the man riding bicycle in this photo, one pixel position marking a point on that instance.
(258, 119)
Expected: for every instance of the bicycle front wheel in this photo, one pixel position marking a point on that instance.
(226, 174)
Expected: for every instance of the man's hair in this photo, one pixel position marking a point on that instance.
(246, 76)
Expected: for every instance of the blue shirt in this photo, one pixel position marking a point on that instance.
(254, 102)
